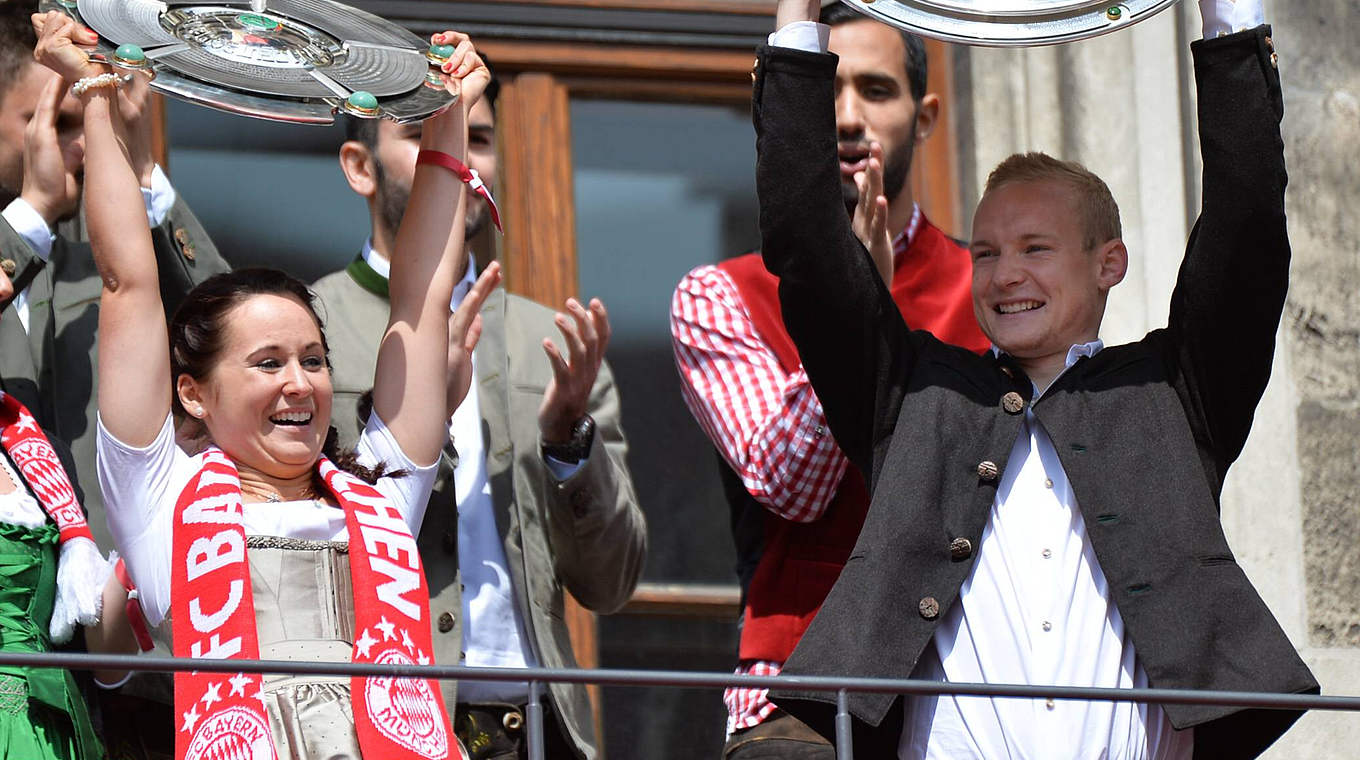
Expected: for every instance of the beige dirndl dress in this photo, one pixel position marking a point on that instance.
(304, 611)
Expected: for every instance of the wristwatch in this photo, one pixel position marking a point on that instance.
(577, 446)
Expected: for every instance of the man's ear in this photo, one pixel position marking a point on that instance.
(1114, 263)
(361, 172)
(927, 115)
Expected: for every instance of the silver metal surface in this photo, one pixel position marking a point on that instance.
(285, 60)
(1010, 23)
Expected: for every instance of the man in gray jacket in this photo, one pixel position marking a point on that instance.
(533, 495)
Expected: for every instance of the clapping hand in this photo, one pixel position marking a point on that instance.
(871, 215)
(586, 332)
(465, 329)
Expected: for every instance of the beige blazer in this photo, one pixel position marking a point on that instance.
(586, 534)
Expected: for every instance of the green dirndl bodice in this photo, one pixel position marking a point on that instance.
(42, 714)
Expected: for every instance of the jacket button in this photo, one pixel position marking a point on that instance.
(987, 470)
(450, 542)
(960, 548)
(1013, 403)
(929, 608)
(446, 622)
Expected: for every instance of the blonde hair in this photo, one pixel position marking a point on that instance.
(1099, 213)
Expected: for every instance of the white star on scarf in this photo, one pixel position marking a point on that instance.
(191, 718)
(211, 695)
(26, 422)
(421, 658)
(238, 684)
(365, 643)
(264, 701)
(406, 640)
(387, 630)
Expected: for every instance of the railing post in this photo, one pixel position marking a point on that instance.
(845, 746)
(534, 713)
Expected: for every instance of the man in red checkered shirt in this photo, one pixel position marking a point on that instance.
(796, 506)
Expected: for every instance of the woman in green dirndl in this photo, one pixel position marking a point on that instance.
(52, 578)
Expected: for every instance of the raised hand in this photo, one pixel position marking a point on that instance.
(134, 106)
(465, 329)
(464, 73)
(586, 332)
(870, 221)
(50, 185)
(59, 38)
(790, 11)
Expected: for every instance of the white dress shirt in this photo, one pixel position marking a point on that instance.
(33, 228)
(494, 634)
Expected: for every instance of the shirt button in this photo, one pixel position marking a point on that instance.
(1048, 482)
(445, 622)
(1047, 626)
(1048, 553)
(820, 431)
(987, 470)
(1049, 703)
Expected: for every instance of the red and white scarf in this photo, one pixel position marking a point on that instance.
(213, 615)
(81, 568)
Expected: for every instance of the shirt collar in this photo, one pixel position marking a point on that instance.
(379, 264)
(1076, 352)
(907, 236)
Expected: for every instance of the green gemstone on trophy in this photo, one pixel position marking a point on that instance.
(129, 55)
(256, 21)
(1114, 12)
(362, 103)
(438, 54)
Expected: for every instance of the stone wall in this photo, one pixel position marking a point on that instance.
(1124, 106)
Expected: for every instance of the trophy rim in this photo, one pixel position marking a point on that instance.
(1064, 21)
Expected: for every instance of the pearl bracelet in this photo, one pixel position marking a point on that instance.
(86, 84)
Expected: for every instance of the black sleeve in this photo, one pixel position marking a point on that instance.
(1231, 287)
(849, 332)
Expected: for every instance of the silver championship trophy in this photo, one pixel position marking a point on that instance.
(1008, 23)
(297, 61)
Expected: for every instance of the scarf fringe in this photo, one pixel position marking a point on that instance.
(82, 573)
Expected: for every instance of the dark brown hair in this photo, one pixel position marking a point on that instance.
(198, 329)
(17, 40)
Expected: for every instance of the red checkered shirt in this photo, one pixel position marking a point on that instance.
(768, 424)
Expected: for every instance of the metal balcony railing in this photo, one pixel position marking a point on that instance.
(537, 677)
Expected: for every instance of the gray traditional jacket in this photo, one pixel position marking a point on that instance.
(585, 535)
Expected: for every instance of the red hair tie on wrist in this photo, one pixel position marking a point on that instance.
(467, 175)
(136, 618)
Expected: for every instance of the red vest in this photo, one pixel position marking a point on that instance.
(932, 287)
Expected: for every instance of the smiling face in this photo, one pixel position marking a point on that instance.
(266, 402)
(1038, 288)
